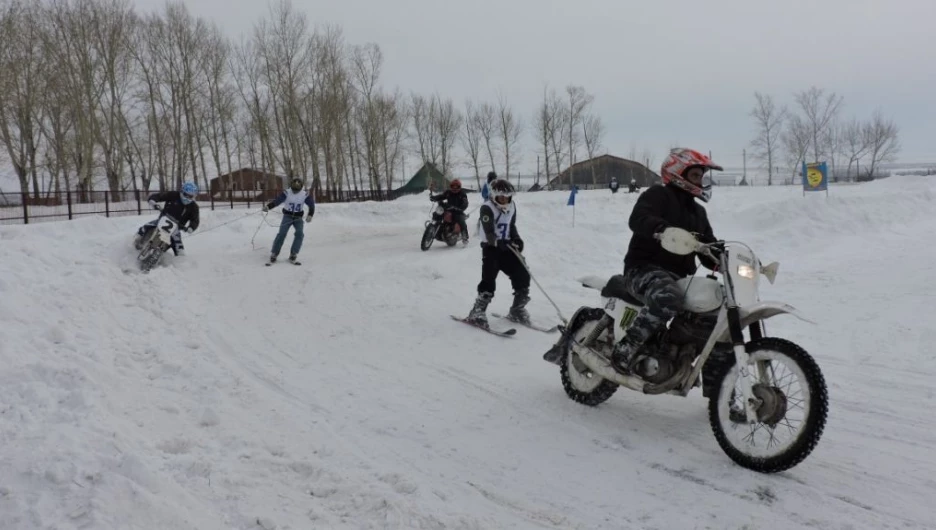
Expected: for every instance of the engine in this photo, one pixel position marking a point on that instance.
(691, 328)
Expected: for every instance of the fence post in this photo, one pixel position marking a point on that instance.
(139, 206)
(68, 200)
(106, 204)
(25, 197)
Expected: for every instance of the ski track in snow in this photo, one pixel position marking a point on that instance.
(216, 393)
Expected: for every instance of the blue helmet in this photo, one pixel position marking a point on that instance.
(188, 192)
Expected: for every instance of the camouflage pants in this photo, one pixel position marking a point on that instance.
(662, 299)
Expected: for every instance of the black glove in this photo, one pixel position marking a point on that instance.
(518, 244)
(502, 244)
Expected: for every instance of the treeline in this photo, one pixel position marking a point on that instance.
(95, 95)
(815, 131)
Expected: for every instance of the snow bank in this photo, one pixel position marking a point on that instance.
(215, 393)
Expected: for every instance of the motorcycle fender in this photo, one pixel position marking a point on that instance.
(749, 315)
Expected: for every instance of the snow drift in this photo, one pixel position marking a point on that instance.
(215, 393)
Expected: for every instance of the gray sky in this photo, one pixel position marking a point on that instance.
(662, 71)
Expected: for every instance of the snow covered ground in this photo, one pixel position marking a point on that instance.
(216, 393)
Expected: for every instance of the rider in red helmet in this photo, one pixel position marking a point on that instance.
(650, 272)
(455, 198)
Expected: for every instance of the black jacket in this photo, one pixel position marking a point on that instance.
(660, 207)
(455, 199)
(184, 213)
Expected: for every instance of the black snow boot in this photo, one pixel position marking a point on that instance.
(478, 314)
(518, 312)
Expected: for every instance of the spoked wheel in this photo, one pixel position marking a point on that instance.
(428, 237)
(791, 401)
(580, 383)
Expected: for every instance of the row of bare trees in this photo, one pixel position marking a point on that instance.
(95, 95)
(816, 133)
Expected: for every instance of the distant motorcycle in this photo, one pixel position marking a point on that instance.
(157, 241)
(441, 227)
(767, 396)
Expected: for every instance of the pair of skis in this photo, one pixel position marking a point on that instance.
(505, 332)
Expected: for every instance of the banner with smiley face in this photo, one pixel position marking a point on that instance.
(815, 177)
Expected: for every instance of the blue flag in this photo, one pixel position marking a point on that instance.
(572, 196)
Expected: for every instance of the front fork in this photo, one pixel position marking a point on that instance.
(742, 359)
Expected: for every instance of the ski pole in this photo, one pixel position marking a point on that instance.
(523, 261)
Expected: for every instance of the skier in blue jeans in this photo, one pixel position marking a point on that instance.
(292, 200)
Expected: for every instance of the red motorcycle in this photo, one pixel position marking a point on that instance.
(442, 227)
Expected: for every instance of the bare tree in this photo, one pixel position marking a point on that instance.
(647, 157)
(820, 111)
(881, 135)
(23, 68)
(471, 139)
(855, 143)
(833, 143)
(423, 115)
(796, 140)
(547, 127)
(448, 124)
(769, 120)
(509, 128)
(113, 23)
(393, 119)
(577, 102)
(593, 133)
(486, 118)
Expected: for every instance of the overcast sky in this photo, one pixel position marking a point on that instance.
(662, 71)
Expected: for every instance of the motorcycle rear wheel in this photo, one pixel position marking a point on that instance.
(579, 382)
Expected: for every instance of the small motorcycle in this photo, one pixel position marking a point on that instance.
(442, 227)
(768, 400)
(157, 241)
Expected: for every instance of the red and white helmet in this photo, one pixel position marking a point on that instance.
(681, 160)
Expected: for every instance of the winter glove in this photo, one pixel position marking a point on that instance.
(309, 218)
(517, 244)
(502, 244)
(152, 204)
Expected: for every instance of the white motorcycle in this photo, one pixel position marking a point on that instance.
(768, 400)
(157, 241)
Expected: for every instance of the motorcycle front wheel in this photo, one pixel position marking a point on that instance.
(791, 401)
(428, 237)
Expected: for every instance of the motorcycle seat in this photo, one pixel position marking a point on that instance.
(615, 288)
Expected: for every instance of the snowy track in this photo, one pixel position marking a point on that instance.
(215, 393)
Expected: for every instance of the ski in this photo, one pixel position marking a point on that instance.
(269, 264)
(530, 325)
(500, 333)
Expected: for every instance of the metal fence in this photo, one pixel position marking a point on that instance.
(24, 208)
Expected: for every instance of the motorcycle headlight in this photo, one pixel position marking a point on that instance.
(746, 271)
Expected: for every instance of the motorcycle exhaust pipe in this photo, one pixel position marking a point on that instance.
(602, 367)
